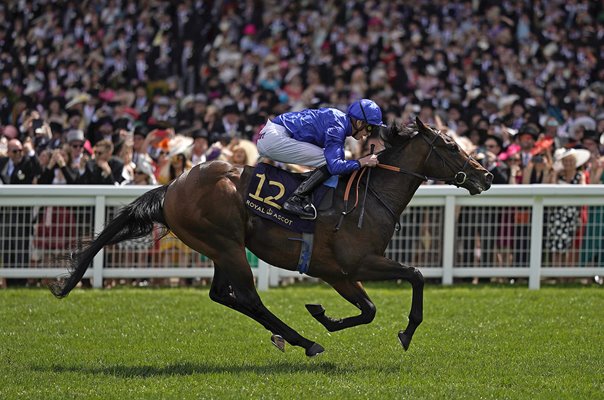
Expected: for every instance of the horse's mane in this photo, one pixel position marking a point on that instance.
(397, 135)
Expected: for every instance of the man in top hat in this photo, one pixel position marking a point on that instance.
(527, 136)
(199, 147)
(233, 125)
(76, 141)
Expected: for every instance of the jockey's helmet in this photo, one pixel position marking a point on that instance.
(366, 110)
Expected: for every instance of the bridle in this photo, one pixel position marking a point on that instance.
(458, 178)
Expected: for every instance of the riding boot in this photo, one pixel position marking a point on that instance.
(299, 203)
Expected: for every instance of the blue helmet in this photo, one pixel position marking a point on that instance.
(366, 110)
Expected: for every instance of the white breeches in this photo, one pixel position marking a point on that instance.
(276, 144)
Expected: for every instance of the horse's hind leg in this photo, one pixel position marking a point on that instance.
(355, 294)
(376, 268)
(246, 300)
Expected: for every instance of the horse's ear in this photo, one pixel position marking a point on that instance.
(420, 124)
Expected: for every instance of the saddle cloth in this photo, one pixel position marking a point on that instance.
(269, 188)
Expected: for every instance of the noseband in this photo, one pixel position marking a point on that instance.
(458, 179)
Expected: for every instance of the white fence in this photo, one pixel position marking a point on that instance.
(509, 232)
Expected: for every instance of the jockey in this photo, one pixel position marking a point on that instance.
(315, 137)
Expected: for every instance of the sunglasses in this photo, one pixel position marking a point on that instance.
(16, 151)
(369, 128)
(77, 146)
(99, 153)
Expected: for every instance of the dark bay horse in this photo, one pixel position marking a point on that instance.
(205, 209)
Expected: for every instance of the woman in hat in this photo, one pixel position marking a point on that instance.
(563, 221)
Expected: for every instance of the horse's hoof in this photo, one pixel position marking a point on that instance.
(314, 350)
(315, 309)
(404, 339)
(279, 342)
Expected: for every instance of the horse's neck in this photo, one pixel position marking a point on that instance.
(396, 189)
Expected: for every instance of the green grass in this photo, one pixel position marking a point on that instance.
(475, 342)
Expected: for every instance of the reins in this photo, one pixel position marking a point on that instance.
(458, 179)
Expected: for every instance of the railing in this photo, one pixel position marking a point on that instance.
(508, 232)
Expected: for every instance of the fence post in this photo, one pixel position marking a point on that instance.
(263, 275)
(99, 259)
(449, 240)
(536, 243)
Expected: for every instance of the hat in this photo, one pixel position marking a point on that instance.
(366, 110)
(145, 167)
(581, 155)
(581, 107)
(185, 101)
(591, 135)
(200, 98)
(163, 101)
(200, 133)
(79, 98)
(10, 132)
(249, 29)
(528, 129)
(588, 123)
(74, 135)
(105, 120)
(107, 95)
(542, 145)
(141, 130)
(179, 144)
(508, 100)
(230, 109)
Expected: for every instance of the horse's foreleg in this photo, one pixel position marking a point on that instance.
(375, 268)
(245, 299)
(355, 294)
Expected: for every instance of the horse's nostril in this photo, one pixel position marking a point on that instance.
(488, 178)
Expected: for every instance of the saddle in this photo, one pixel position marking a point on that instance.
(270, 186)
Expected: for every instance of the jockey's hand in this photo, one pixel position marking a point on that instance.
(369, 161)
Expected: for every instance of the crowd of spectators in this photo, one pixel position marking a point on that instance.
(136, 92)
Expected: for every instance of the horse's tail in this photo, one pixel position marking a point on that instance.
(133, 221)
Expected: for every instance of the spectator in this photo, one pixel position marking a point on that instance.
(527, 136)
(494, 146)
(179, 164)
(104, 168)
(77, 156)
(18, 168)
(200, 147)
(563, 221)
(59, 169)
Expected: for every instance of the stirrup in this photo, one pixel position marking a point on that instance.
(300, 207)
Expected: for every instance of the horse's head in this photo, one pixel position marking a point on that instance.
(441, 158)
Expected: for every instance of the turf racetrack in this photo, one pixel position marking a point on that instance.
(475, 342)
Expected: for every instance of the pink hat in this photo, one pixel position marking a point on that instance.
(10, 132)
(511, 150)
(249, 29)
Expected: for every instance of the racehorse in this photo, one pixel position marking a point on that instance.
(206, 210)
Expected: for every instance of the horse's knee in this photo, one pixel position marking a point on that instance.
(369, 312)
(417, 278)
